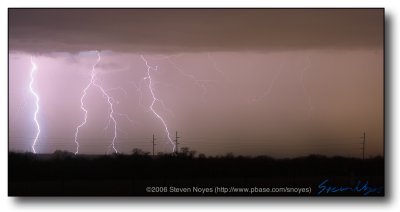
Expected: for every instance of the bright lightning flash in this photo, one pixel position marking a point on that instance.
(34, 68)
(151, 107)
(111, 115)
(109, 101)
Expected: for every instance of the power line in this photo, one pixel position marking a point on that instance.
(345, 144)
(153, 144)
(363, 146)
(176, 142)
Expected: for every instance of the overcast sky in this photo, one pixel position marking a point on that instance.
(279, 82)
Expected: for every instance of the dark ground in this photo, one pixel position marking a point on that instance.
(64, 174)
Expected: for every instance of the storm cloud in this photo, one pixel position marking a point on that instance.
(193, 30)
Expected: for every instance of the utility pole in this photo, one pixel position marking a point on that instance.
(153, 144)
(176, 142)
(363, 148)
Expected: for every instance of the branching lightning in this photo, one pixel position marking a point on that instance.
(34, 68)
(269, 89)
(155, 99)
(215, 66)
(203, 84)
(92, 75)
(109, 99)
(139, 89)
(150, 83)
(111, 115)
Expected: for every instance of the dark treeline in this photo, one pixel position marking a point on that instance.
(140, 169)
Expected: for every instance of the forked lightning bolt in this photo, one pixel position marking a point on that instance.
(111, 115)
(34, 68)
(148, 77)
(92, 77)
(92, 82)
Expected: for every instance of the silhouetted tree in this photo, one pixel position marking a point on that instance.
(186, 152)
(60, 154)
(139, 152)
(229, 155)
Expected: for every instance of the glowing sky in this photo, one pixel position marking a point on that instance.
(252, 82)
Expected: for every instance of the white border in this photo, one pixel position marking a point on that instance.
(389, 203)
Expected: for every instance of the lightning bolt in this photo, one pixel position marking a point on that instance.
(269, 89)
(215, 66)
(202, 84)
(126, 116)
(111, 115)
(139, 89)
(92, 78)
(155, 99)
(34, 68)
(109, 99)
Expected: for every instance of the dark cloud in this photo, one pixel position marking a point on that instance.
(173, 30)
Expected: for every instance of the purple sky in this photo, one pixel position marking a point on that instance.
(253, 82)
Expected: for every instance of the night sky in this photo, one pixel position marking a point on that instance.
(278, 82)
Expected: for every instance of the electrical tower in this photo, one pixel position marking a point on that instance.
(153, 144)
(363, 146)
(176, 142)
